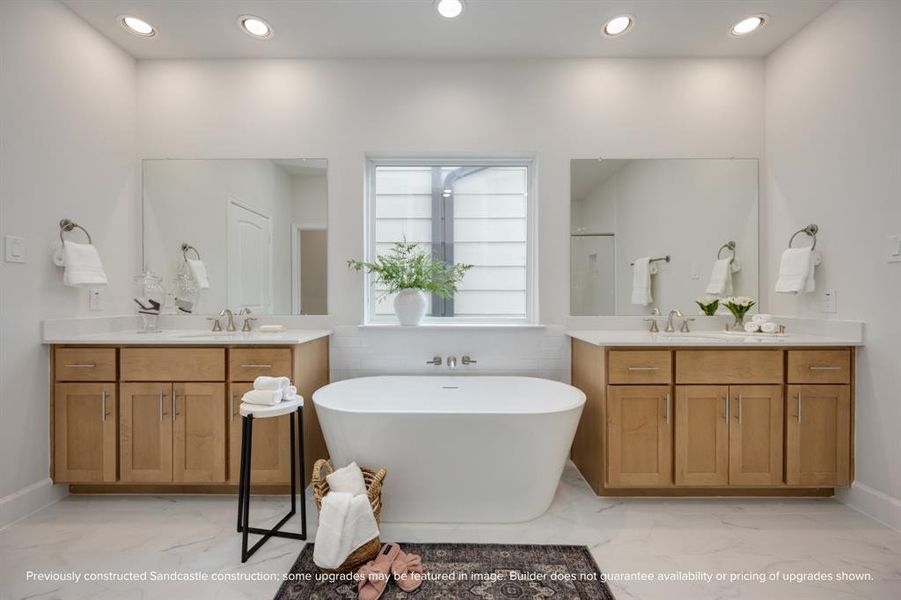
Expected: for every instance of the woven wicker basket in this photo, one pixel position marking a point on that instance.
(373, 481)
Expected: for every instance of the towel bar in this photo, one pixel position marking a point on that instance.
(653, 260)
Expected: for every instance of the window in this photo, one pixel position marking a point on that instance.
(476, 212)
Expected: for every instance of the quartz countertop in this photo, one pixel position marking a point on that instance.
(707, 339)
(186, 337)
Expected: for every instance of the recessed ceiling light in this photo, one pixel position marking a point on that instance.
(449, 9)
(618, 25)
(137, 26)
(746, 26)
(255, 26)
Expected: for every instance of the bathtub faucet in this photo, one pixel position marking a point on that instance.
(451, 362)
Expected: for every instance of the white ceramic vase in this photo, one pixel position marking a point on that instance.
(410, 306)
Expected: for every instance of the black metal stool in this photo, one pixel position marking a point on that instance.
(250, 412)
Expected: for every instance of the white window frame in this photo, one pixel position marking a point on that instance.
(531, 316)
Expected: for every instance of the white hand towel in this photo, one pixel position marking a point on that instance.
(795, 269)
(347, 479)
(641, 281)
(721, 278)
(272, 383)
(264, 397)
(83, 266)
(198, 271)
(346, 522)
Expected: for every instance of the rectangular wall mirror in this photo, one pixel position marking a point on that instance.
(238, 233)
(683, 214)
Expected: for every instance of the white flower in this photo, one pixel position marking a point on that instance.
(740, 301)
(707, 300)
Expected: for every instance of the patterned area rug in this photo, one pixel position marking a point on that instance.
(461, 571)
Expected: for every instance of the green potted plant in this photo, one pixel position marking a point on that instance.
(412, 274)
(739, 307)
(708, 304)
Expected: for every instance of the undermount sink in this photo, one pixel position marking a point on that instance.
(691, 337)
(212, 334)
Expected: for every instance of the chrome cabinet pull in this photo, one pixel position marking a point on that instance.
(668, 402)
(726, 408)
(256, 366)
(641, 368)
(739, 409)
(799, 407)
(174, 406)
(80, 366)
(103, 406)
(824, 368)
(231, 406)
(162, 411)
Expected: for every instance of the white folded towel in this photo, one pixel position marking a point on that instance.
(796, 271)
(641, 281)
(347, 479)
(264, 397)
(272, 383)
(198, 271)
(83, 266)
(721, 277)
(346, 522)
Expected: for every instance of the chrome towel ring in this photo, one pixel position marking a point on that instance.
(68, 225)
(730, 245)
(811, 230)
(185, 248)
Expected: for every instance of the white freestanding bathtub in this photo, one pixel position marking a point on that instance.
(457, 449)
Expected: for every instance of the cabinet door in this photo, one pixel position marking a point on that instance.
(145, 432)
(818, 435)
(271, 460)
(198, 454)
(639, 436)
(755, 435)
(702, 435)
(84, 429)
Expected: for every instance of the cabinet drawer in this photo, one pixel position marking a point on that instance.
(172, 364)
(639, 366)
(728, 366)
(246, 364)
(85, 364)
(819, 366)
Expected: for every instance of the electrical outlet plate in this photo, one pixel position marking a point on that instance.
(894, 248)
(96, 298)
(829, 305)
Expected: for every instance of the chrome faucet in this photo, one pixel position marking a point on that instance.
(435, 361)
(653, 328)
(226, 312)
(246, 326)
(669, 320)
(451, 362)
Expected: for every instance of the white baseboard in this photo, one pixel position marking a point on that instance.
(28, 500)
(873, 503)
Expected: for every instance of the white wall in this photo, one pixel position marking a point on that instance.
(67, 149)
(342, 110)
(310, 193)
(833, 151)
(188, 201)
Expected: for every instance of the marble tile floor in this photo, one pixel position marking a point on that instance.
(742, 538)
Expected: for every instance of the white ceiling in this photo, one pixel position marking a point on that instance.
(412, 28)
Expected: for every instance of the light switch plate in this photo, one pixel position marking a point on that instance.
(829, 304)
(15, 248)
(894, 248)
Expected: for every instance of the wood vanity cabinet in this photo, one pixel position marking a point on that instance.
(728, 435)
(708, 421)
(640, 436)
(85, 415)
(165, 419)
